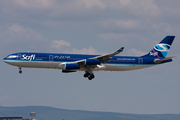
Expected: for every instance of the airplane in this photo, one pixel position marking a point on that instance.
(90, 63)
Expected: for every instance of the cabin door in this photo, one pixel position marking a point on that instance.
(18, 56)
(140, 60)
(50, 57)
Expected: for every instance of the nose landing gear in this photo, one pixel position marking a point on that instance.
(20, 71)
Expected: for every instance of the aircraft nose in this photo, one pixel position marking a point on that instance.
(4, 58)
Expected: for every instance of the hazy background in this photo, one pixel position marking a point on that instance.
(91, 27)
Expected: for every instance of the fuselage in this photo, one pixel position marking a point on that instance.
(89, 63)
(53, 60)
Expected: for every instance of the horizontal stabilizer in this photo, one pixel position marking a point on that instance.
(163, 60)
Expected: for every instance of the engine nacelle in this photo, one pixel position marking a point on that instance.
(66, 66)
(71, 66)
(92, 62)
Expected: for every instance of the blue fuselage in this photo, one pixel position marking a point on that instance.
(89, 63)
(52, 60)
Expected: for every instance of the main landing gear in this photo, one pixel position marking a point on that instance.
(89, 75)
(20, 71)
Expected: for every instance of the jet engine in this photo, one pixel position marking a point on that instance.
(66, 66)
(93, 62)
(72, 66)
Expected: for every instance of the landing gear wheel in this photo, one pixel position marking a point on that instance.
(91, 77)
(89, 74)
(86, 74)
(20, 72)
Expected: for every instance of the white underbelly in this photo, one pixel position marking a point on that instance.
(34, 64)
(109, 67)
(53, 65)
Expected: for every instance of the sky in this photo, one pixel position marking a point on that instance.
(91, 27)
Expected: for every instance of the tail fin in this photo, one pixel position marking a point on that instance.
(161, 49)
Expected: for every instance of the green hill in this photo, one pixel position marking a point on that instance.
(49, 113)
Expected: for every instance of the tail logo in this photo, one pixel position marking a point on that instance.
(162, 47)
(161, 50)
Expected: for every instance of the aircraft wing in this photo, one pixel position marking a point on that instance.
(99, 59)
(107, 57)
(80, 62)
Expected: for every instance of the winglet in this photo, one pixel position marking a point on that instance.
(120, 50)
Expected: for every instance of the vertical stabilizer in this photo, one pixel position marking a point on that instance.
(161, 49)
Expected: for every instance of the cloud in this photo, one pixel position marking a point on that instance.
(147, 8)
(167, 28)
(7, 98)
(57, 8)
(16, 36)
(19, 33)
(59, 43)
(38, 4)
(123, 24)
(84, 8)
(135, 52)
(89, 50)
(92, 3)
(110, 36)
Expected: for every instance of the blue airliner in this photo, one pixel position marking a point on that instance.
(89, 63)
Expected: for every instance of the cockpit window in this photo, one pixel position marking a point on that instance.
(12, 56)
